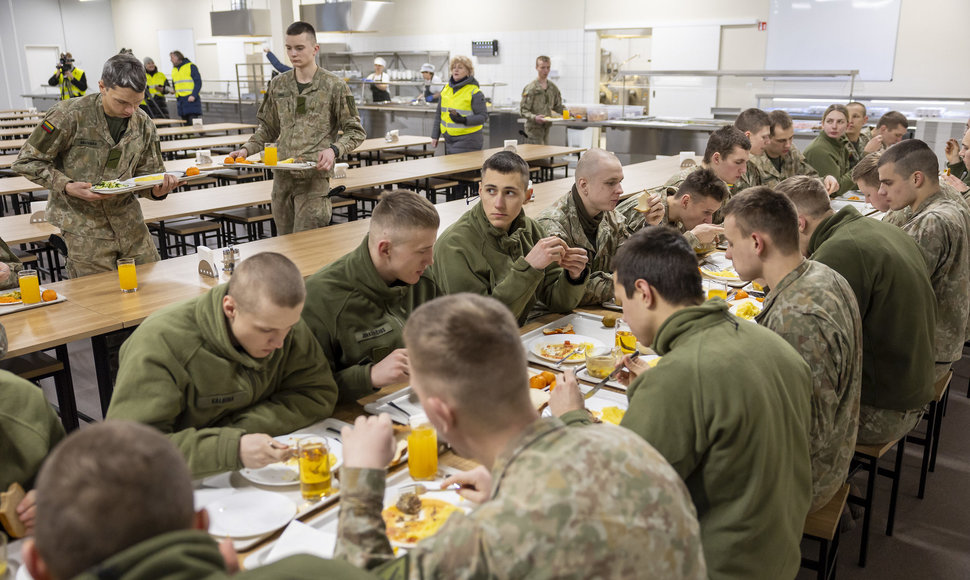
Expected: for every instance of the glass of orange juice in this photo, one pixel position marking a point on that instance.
(565, 113)
(717, 290)
(316, 480)
(625, 339)
(127, 277)
(422, 448)
(29, 286)
(270, 156)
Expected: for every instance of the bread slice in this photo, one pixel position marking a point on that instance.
(9, 500)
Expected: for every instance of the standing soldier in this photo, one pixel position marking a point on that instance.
(83, 141)
(154, 102)
(304, 109)
(539, 98)
(72, 81)
(188, 83)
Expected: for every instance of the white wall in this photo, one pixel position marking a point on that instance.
(88, 33)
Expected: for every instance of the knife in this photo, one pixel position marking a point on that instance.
(600, 384)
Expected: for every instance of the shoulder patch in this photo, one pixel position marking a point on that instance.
(48, 127)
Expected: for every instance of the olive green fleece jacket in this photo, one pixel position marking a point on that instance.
(729, 406)
(887, 273)
(358, 318)
(181, 373)
(194, 555)
(474, 256)
(29, 429)
(959, 169)
(829, 157)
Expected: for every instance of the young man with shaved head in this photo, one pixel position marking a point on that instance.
(496, 250)
(586, 217)
(813, 308)
(553, 502)
(223, 373)
(356, 307)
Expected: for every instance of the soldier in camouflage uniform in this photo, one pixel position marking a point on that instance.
(540, 98)
(553, 502)
(82, 141)
(9, 266)
(940, 226)
(957, 159)
(781, 159)
(858, 135)
(813, 308)
(303, 110)
(586, 218)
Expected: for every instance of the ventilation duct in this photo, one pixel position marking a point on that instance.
(347, 16)
(240, 21)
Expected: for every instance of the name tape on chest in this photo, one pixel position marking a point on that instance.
(373, 333)
(217, 400)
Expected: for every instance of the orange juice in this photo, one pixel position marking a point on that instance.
(626, 341)
(565, 113)
(717, 293)
(315, 478)
(269, 154)
(422, 451)
(127, 276)
(29, 286)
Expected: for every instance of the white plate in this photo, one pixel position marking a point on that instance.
(391, 495)
(537, 345)
(155, 178)
(249, 513)
(128, 185)
(10, 303)
(288, 472)
(737, 304)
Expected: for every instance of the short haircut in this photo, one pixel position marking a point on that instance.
(752, 120)
(835, 108)
(893, 119)
(471, 333)
(106, 488)
(704, 183)
(267, 275)
(178, 54)
(661, 256)
(761, 209)
(124, 71)
(867, 169)
(910, 156)
(506, 162)
(464, 60)
(723, 141)
(857, 104)
(543, 58)
(299, 27)
(808, 194)
(780, 119)
(590, 162)
(402, 209)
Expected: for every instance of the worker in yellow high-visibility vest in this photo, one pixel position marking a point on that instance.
(461, 110)
(154, 102)
(71, 80)
(188, 83)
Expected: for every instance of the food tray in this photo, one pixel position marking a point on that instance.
(132, 185)
(584, 323)
(718, 261)
(302, 166)
(327, 521)
(11, 308)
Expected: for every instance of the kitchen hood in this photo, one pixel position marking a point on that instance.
(240, 21)
(347, 16)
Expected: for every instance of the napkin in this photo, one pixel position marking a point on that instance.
(299, 538)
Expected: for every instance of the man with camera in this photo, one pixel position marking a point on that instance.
(70, 79)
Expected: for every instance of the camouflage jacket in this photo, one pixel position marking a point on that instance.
(73, 144)
(901, 216)
(959, 169)
(857, 150)
(761, 171)
(11, 260)
(562, 220)
(303, 124)
(677, 180)
(814, 310)
(636, 220)
(940, 226)
(591, 501)
(539, 101)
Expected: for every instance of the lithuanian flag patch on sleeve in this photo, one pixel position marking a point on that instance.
(47, 127)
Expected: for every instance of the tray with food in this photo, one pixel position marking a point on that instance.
(576, 328)
(412, 511)
(142, 182)
(289, 164)
(12, 301)
(716, 266)
(113, 186)
(605, 406)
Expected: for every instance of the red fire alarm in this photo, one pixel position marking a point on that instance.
(762, 25)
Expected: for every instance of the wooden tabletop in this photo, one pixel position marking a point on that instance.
(49, 326)
(12, 144)
(23, 115)
(167, 122)
(18, 184)
(6, 161)
(381, 144)
(14, 111)
(201, 129)
(16, 131)
(19, 122)
(200, 142)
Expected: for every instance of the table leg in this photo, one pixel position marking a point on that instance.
(64, 387)
(102, 369)
(162, 242)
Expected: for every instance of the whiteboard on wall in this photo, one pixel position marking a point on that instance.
(834, 35)
(180, 39)
(684, 48)
(41, 64)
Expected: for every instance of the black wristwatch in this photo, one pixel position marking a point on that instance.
(336, 152)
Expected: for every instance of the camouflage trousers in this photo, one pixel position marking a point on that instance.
(879, 426)
(86, 256)
(538, 134)
(300, 201)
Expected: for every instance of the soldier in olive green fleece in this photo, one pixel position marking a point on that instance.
(829, 157)
(182, 373)
(358, 318)
(9, 266)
